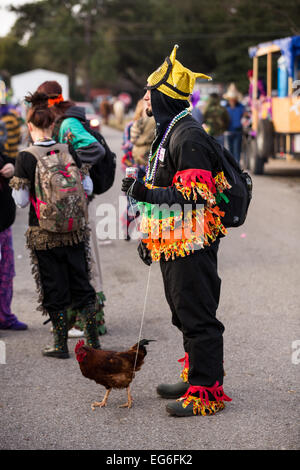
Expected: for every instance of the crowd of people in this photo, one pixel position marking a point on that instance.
(56, 177)
(222, 117)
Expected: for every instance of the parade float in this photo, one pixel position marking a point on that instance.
(274, 130)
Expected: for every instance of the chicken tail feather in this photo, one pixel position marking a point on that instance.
(140, 346)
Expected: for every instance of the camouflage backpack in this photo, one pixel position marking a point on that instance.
(60, 203)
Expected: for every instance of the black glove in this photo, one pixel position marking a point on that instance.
(144, 253)
(134, 189)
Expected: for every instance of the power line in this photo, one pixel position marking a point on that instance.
(197, 36)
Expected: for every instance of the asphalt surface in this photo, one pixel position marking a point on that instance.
(45, 403)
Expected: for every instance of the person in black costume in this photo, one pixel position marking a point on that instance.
(184, 172)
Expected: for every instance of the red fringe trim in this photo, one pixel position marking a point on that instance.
(187, 177)
(185, 360)
(185, 371)
(217, 391)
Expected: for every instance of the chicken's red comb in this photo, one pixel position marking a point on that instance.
(78, 345)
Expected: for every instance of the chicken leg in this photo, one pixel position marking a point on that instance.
(130, 400)
(101, 403)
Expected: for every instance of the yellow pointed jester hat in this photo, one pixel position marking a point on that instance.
(173, 79)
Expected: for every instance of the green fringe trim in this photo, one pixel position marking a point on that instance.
(155, 212)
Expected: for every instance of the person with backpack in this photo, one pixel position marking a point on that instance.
(90, 147)
(185, 175)
(48, 178)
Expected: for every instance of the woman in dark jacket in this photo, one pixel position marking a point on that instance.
(7, 270)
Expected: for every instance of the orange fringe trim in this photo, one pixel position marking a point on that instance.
(202, 408)
(184, 374)
(201, 228)
(178, 237)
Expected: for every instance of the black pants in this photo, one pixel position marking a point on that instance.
(64, 278)
(192, 289)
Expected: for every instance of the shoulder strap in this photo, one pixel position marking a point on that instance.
(61, 148)
(226, 160)
(39, 151)
(180, 129)
(207, 140)
(77, 112)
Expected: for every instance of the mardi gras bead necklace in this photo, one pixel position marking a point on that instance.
(150, 173)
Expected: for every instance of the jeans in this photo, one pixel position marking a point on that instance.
(234, 143)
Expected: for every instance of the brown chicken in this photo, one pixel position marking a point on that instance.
(111, 369)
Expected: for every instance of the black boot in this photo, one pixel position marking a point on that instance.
(60, 333)
(172, 390)
(199, 400)
(193, 406)
(88, 315)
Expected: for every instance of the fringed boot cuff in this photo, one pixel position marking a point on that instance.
(185, 371)
(199, 397)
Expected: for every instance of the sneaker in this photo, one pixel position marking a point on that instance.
(16, 326)
(75, 333)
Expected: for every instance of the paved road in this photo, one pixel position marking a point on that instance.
(45, 403)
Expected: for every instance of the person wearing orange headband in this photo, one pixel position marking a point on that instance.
(53, 101)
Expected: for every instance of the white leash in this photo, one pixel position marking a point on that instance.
(142, 321)
(145, 299)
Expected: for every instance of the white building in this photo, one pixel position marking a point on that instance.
(28, 82)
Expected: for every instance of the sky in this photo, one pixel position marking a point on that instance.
(8, 18)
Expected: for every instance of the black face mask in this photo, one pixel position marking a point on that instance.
(165, 109)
